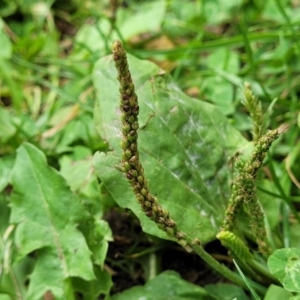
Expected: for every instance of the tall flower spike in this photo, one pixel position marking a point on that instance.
(244, 192)
(131, 164)
(247, 181)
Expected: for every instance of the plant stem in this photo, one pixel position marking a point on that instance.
(223, 270)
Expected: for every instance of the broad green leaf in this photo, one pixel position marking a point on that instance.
(185, 146)
(284, 264)
(47, 214)
(167, 285)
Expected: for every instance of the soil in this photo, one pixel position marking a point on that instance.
(124, 259)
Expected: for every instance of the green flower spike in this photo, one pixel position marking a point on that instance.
(244, 188)
(244, 192)
(248, 188)
(235, 244)
(131, 164)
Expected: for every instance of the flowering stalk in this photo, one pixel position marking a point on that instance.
(131, 164)
(244, 192)
(244, 188)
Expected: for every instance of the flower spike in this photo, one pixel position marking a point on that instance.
(131, 164)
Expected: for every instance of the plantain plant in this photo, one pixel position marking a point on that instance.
(178, 170)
